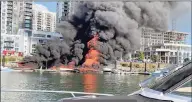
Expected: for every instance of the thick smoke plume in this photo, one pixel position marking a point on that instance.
(118, 25)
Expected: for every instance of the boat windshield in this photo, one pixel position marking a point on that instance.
(162, 74)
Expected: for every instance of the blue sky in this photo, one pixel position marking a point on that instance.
(183, 23)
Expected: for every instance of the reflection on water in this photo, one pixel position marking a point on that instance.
(89, 83)
(97, 83)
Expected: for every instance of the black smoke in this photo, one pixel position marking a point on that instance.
(117, 23)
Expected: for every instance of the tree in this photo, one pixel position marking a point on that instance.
(141, 56)
(155, 58)
(186, 59)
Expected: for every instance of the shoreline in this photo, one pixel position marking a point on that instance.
(73, 71)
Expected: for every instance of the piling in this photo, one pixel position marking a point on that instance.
(145, 67)
(130, 66)
(158, 65)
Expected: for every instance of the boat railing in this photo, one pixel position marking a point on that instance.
(74, 94)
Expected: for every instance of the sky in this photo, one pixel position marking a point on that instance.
(183, 23)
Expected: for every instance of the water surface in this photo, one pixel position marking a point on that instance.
(98, 83)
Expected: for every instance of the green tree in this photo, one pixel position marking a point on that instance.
(141, 56)
(155, 58)
(186, 59)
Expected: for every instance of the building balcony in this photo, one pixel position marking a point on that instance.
(9, 8)
(28, 18)
(9, 3)
(8, 41)
(28, 3)
(28, 11)
(9, 11)
(28, 14)
(28, 7)
(9, 16)
(164, 50)
(8, 46)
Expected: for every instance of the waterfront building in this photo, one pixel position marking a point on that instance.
(27, 44)
(41, 37)
(15, 16)
(21, 23)
(43, 20)
(173, 52)
(169, 46)
(151, 37)
(18, 42)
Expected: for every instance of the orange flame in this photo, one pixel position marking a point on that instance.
(71, 65)
(92, 57)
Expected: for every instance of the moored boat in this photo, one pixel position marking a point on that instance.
(6, 69)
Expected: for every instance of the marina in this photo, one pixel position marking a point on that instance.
(92, 51)
(76, 82)
(88, 86)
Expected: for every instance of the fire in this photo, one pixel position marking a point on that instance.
(92, 57)
(71, 65)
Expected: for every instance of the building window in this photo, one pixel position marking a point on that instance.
(49, 36)
(17, 49)
(3, 31)
(27, 25)
(16, 45)
(27, 21)
(61, 38)
(40, 41)
(33, 51)
(34, 45)
(3, 14)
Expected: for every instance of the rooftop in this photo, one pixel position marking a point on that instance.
(178, 32)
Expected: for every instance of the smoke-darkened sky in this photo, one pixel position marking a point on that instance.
(117, 25)
(183, 23)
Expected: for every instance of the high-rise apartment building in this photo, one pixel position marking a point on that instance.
(43, 20)
(63, 9)
(15, 15)
(66, 9)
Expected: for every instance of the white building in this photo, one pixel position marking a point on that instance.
(24, 43)
(169, 46)
(14, 17)
(151, 37)
(172, 52)
(41, 37)
(43, 20)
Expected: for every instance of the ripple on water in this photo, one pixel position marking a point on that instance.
(100, 83)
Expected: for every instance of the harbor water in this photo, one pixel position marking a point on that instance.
(94, 83)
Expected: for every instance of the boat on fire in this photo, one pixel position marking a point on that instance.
(174, 86)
